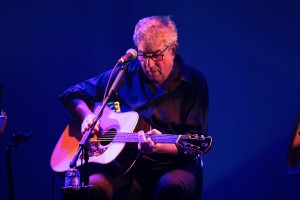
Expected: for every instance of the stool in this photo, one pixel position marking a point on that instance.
(76, 193)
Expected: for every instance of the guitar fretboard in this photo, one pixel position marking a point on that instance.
(133, 138)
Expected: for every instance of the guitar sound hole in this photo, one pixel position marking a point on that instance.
(108, 136)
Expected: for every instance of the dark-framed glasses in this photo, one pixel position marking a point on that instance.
(155, 58)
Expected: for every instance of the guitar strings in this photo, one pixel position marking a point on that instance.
(132, 136)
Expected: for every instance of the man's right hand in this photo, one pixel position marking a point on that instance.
(87, 122)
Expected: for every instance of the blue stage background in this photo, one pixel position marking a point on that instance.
(248, 51)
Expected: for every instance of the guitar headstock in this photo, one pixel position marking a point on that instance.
(192, 143)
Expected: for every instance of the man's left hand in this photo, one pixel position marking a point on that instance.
(146, 144)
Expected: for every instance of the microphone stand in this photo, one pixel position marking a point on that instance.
(83, 145)
(16, 139)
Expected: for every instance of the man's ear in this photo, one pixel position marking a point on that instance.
(174, 49)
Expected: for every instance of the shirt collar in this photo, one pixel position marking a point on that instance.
(185, 75)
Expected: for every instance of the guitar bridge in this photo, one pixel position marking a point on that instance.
(95, 149)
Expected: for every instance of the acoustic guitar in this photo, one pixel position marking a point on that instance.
(118, 143)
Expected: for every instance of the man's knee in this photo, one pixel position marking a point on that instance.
(102, 188)
(177, 184)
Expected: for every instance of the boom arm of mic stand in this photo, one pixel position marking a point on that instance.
(87, 135)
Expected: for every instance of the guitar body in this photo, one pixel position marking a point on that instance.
(121, 155)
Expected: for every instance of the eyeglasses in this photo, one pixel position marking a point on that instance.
(155, 58)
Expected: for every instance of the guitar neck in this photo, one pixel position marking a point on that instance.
(133, 138)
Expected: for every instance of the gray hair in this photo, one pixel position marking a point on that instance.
(154, 30)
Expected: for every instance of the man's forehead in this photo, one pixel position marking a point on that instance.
(150, 49)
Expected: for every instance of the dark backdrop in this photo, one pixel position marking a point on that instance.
(248, 50)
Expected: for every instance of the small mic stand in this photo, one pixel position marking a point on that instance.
(83, 145)
(16, 139)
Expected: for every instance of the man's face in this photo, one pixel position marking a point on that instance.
(157, 61)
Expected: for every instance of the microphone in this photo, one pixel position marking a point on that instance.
(130, 55)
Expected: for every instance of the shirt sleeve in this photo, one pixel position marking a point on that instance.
(91, 90)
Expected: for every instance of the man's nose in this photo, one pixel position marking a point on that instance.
(149, 62)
